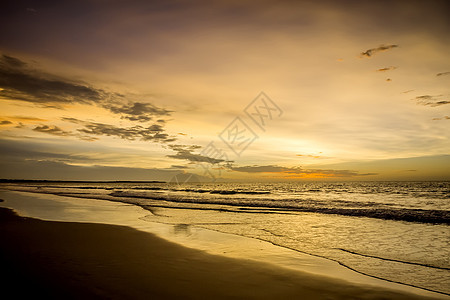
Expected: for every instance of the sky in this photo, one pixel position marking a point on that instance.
(225, 90)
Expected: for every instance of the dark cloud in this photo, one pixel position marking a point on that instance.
(185, 152)
(298, 171)
(154, 133)
(14, 150)
(55, 170)
(178, 147)
(373, 51)
(5, 122)
(138, 111)
(12, 61)
(19, 81)
(55, 130)
(443, 73)
(388, 79)
(386, 69)
(151, 133)
(33, 160)
(428, 100)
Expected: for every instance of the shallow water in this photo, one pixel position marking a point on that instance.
(392, 230)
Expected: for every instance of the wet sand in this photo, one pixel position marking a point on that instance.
(84, 260)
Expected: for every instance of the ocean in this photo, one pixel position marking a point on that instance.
(396, 231)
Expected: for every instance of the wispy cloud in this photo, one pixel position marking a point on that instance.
(154, 133)
(179, 167)
(386, 69)
(443, 73)
(309, 155)
(55, 130)
(19, 81)
(443, 118)
(25, 119)
(264, 169)
(428, 100)
(138, 111)
(186, 152)
(299, 172)
(371, 52)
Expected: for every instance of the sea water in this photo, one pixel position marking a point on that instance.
(397, 231)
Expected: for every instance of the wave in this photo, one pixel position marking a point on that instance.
(391, 213)
(176, 197)
(395, 260)
(239, 192)
(221, 192)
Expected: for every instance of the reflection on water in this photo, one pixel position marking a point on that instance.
(182, 229)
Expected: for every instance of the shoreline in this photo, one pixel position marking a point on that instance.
(304, 262)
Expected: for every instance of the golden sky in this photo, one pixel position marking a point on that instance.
(144, 90)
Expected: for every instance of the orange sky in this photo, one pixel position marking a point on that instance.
(137, 90)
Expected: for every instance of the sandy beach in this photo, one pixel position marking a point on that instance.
(83, 260)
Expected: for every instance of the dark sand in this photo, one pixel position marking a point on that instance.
(84, 261)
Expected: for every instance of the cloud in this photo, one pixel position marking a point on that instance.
(26, 119)
(57, 170)
(55, 130)
(179, 167)
(298, 171)
(443, 118)
(138, 111)
(443, 74)
(154, 133)
(433, 101)
(16, 150)
(370, 52)
(31, 159)
(5, 122)
(408, 91)
(386, 69)
(262, 169)
(18, 81)
(185, 152)
(309, 155)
